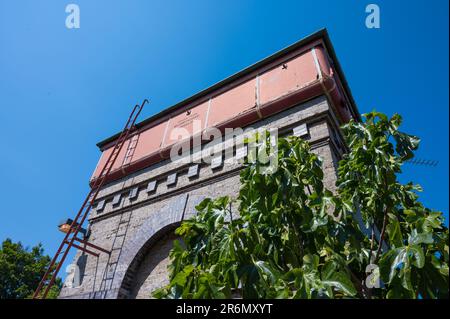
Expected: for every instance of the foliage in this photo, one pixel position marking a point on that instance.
(416, 263)
(21, 270)
(296, 239)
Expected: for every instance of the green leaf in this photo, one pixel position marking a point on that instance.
(286, 240)
(333, 276)
(311, 262)
(341, 282)
(420, 238)
(419, 258)
(181, 277)
(395, 234)
(390, 262)
(267, 271)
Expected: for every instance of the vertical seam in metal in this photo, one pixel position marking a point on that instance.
(319, 72)
(207, 113)
(316, 63)
(165, 133)
(257, 87)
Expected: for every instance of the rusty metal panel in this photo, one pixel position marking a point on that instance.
(150, 141)
(287, 77)
(323, 60)
(105, 155)
(232, 102)
(186, 124)
(102, 161)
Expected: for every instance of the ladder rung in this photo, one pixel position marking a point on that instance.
(61, 252)
(129, 125)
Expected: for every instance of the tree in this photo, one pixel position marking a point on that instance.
(21, 270)
(296, 239)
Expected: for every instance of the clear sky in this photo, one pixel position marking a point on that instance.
(62, 90)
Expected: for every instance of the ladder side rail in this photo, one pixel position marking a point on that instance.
(118, 141)
(126, 130)
(124, 136)
(121, 141)
(124, 163)
(75, 223)
(113, 154)
(65, 241)
(102, 179)
(58, 252)
(139, 111)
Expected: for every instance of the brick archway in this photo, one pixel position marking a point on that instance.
(158, 227)
(148, 270)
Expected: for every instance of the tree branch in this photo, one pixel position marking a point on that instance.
(361, 287)
(383, 230)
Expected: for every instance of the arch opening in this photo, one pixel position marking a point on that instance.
(148, 270)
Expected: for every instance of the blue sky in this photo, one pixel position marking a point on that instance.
(62, 91)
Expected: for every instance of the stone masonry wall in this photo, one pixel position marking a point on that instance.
(139, 230)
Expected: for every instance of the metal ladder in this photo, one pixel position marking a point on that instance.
(113, 259)
(131, 149)
(71, 237)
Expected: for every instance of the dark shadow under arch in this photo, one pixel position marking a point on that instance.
(143, 241)
(137, 273)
